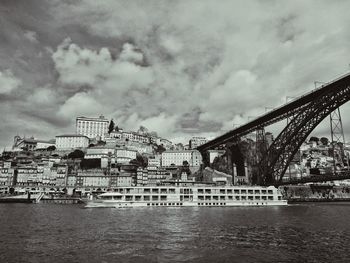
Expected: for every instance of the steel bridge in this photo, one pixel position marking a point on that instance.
(303, 114)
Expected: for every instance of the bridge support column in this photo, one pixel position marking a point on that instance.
(337, 138)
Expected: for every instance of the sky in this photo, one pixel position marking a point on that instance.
(180, 68)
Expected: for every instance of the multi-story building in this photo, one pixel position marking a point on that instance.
(99, 152)
(139, 147)
(71, 141)
(142, 176)
(124, 156)
(30, 144)
(135, 137)
(157, 176)
(197, 141)
(92, 127)
(6, 176)
(92, 178)
(99, 178)
(154, 161)
(193, 157)
(29, 176)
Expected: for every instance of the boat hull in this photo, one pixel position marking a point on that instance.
(113, 204)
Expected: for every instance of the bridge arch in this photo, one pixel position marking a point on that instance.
(279, 155)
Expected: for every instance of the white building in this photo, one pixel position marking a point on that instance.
(99, 152)
(193, 157)
(92, 127)
(154, 161)
(44, 144)
(125, 155)
(135, 137)
(71, 141)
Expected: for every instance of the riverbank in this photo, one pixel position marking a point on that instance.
(316, 193)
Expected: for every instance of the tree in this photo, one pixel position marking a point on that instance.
(90, 163)
(160, 149)
(140, 161)
(111, 126)
(142, 130)
(324, 141)
(77, 154)
(314, 139)
(51, 148)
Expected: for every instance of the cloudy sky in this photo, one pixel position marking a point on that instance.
(180, 68)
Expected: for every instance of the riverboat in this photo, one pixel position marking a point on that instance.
(179, 196)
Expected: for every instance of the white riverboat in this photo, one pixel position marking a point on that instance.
(194, 195)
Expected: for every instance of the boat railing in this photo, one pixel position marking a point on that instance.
(39, 197)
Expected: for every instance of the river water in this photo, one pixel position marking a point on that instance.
(70, 233)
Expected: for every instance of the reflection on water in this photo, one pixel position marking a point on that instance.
(58, 233)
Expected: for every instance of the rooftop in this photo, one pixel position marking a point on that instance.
(71, 135)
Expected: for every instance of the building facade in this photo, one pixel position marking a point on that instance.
(124, 156)
(193, 157)
(71, 141)
(99, 152)
(92, 127)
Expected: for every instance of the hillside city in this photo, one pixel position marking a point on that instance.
(101, 155)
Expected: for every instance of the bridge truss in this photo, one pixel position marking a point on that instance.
(303, 114)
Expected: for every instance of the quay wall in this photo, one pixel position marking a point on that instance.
(316, 193)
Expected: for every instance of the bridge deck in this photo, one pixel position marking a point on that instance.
(316, 178)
